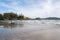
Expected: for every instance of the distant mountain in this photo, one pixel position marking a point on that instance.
(48, 18)
(52, 18)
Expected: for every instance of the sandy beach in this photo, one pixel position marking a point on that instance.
(31, 30)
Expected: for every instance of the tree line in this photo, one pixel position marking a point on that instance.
(12, 16)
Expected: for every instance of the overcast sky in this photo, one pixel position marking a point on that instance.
(32, 8)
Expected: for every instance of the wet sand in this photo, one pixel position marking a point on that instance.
(31, 31)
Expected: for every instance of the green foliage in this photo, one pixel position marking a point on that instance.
(1, 17)
(10, 16)
(20, 17)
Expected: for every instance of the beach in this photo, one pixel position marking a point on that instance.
(31, 30)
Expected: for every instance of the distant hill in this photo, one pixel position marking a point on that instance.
(52, 18)
(48, 18)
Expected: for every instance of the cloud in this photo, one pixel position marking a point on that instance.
(13, 6)
(33, 8)
(42, 9)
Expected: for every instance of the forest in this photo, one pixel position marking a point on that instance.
(12, 16)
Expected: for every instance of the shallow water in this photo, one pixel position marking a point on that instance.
(31, 30)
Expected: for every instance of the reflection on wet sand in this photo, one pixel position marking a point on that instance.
(30, 30)
(8, 25)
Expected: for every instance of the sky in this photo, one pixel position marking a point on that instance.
(32, 8)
